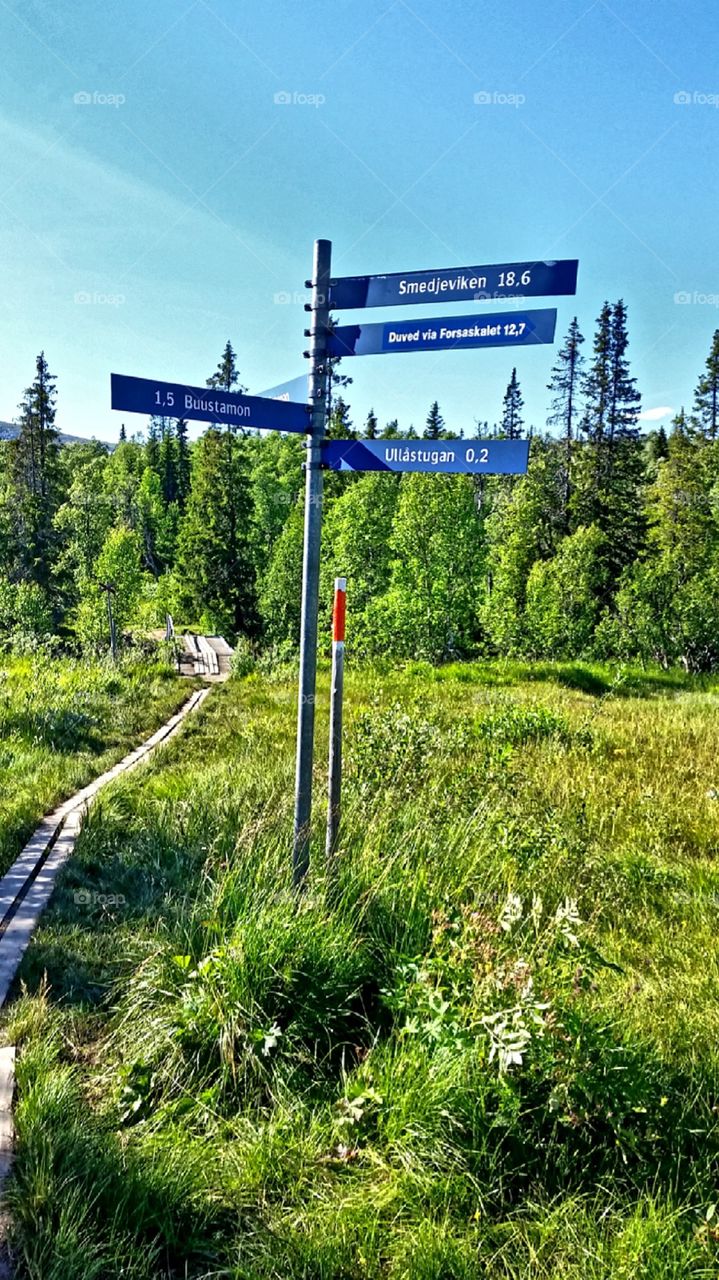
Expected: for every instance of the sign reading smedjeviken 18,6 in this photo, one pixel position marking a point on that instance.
(488, 457)
(206, 404)
(501, 329)
(457, 284)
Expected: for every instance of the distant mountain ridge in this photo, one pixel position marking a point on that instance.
(9, 431)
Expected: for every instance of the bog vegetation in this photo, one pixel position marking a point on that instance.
(609, 546)
(485, 1044)
(62, 722)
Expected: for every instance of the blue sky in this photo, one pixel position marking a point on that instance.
(178, 206)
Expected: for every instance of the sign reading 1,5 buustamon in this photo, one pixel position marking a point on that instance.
(206, 404)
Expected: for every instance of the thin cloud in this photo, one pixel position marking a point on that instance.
(653, 415)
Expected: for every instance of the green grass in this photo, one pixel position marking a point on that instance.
(486, 1044)
(64, 722)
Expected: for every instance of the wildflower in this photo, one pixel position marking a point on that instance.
(270, 1040)
(511, 912)
(567, 920)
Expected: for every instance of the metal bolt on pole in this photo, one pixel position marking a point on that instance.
(319, 307)
(334, 797)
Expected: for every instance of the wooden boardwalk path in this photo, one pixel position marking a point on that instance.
(25, 891)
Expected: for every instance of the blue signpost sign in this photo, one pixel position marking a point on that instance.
(295, 389)
(479, 457)
(206, 404)
(501, 329)
(457, 284)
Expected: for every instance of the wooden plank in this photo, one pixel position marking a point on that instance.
(54, 840)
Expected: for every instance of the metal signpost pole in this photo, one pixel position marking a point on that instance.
(311, 559)
(334, 798)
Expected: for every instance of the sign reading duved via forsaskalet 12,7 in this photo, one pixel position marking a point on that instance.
(446, 333)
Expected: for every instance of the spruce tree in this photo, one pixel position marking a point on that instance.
(624, 398)
(565, 404)
(706, 397)
(35, 477)
(215, 569)
(339, 426)
(434, 426)
(182, 462)
(610, 468)
(512, 405)
(123, 434)
(370, 426)
(167, 462)
(226, 376)
(596, 383)
(152, 444)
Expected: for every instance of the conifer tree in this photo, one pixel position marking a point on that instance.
(226, 376)
(339, 426)
(152, 444)
(624, 398)
(596, 383)
(565, 404)
(182, 462)
(35, 477)
(512, 405)
(434, 426)
(167, 462)
(370, 427)
(610, 468)
(215, 566)
(215, 570)
(706, 397)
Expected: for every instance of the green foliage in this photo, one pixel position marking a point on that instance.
(244, 661)
(564, 595)
(62, 722)
(119, 564)
(26, 619)
(430, 607)
(501, 997)
(215, 571)
(608, 546)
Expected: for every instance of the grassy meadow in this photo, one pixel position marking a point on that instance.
(62, 723)
(484, 1043)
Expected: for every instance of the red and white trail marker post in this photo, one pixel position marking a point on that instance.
(334, 795)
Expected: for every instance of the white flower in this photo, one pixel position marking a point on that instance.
(271, 1039)
(511, 912)
(568, 920)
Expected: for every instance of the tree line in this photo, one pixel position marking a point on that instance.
(608, 546)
